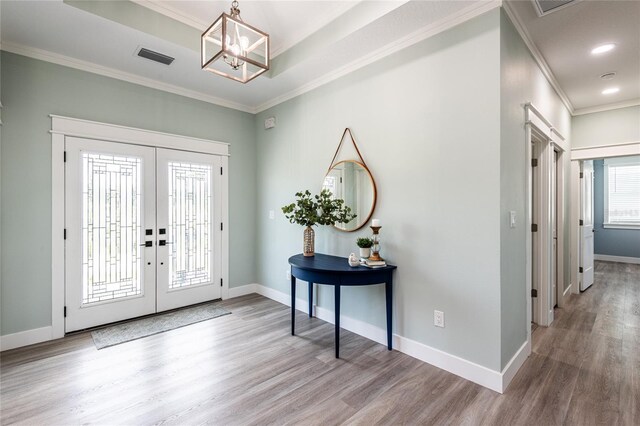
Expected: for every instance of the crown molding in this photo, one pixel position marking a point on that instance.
(537, 56)
(170, 12)
(607, 107)
(79, 64)
(470, 12)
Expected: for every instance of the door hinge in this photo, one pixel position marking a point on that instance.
(65, 233)
(581, 222)
(534, 162)
(581, 175)
(220, 282)
(220, 171)
(534, 292)
(340, 180)
(65, 156)
(221, 227)
(580, 270)
(65, 311)
(534, 227)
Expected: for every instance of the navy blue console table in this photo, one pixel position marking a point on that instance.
(335, 271)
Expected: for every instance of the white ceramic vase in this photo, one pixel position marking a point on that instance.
(365, 252)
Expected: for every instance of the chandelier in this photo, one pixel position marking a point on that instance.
(233, 49)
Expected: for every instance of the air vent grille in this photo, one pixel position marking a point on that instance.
(155, 56)
(544, 7)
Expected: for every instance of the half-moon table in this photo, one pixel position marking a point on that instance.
(335, 271)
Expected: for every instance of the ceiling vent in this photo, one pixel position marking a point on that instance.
(155, 56)
(545, 7)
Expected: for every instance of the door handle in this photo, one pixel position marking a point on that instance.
(163, 242)
(147, 244)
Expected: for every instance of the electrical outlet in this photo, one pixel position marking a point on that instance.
(438, 318)
(288, 275)
(272, 214)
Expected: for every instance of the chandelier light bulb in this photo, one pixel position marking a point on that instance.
(244, 42)
(235, 49)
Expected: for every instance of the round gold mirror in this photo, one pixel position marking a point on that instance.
(352, 182)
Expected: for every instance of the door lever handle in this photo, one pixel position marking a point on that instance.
(164, 242)
(147, 244)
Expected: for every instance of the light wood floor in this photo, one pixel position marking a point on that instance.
(245, 368)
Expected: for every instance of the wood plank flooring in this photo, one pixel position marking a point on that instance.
(245, 369)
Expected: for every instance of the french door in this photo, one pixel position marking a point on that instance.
(141, 234)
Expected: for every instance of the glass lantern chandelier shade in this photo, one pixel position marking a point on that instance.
(233, 49)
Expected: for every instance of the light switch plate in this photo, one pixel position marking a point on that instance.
(512, 219)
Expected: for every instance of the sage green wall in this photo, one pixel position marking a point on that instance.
(521, 81)
(427, 121)
(606, 128)
(31, 90)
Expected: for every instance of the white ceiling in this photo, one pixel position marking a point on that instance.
(566, 37)
(314, 42)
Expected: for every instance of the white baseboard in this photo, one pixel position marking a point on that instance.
(510, 370)
(494, 380)
(621, 259)
(242, 290)
(25, 338)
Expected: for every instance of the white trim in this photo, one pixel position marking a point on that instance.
(491, 379)
(57, 236)
(548, 140)
(620, 259)
(608, 107)
(88, 129)
(242, 290)
(567, 291)
(512, 367)
(605, 151)
(620, 225)
(470, 12)
(79, 64)
(537, 56)
(25, 338)
(574, 229)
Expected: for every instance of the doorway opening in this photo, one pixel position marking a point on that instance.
(144, 218)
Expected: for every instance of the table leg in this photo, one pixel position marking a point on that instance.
(310, 300)
(389, 293)
(337, 319)
(293, 305)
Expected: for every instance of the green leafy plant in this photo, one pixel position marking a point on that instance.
(364, 242)
(319, 209)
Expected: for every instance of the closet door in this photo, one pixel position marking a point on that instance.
(189, 212)
(109, 225)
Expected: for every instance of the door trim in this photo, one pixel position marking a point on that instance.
(577, 155)
(538, 127)
(61, 127)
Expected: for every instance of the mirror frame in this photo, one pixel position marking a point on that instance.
(375, 193)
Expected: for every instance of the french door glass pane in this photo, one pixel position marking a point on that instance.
(189, 224)
(111, 227)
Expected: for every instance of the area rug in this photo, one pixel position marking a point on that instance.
(137, 329)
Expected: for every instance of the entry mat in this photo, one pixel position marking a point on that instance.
(137, 329)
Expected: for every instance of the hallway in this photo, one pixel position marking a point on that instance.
(588, 360)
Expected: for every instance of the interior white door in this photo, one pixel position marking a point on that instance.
(189, 211)
(109, 205)
(586, 242)
(554, 230)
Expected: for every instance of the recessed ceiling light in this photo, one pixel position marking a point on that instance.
(610, 90)
(608, 75)
(603, 48)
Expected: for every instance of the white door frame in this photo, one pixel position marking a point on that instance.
(538, 127)
(62, 127)
(577, 156)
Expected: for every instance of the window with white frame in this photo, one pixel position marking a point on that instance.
(622, 192)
